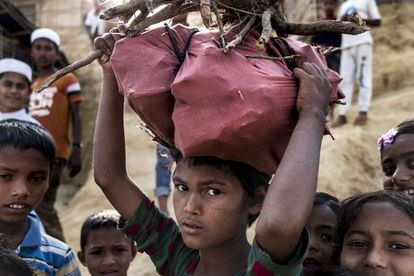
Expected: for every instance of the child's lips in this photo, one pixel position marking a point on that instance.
(109, 272)
(311, 265)
(17, 208)
(191, 228)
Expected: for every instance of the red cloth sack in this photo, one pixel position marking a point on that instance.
(222, 105)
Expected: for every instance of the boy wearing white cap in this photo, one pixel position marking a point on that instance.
(15, 78)
(55, 108)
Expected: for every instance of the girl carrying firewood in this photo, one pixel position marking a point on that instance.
(216, 200)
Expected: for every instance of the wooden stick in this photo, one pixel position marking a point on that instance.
(219, 24)
(272, 58)
(266, 30)
(74, 66)
(241, 35)
(205, 10)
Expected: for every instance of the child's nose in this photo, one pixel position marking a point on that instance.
(108, 260)
(20, 189)
(192, 205)
(401, 176)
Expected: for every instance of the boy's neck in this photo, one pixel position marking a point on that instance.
(2, 110)
(228, 259)
(14, 232)
(41, 72)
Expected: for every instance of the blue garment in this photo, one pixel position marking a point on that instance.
(45, 254)
(162, 172)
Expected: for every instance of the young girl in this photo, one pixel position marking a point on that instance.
(215, 200)
(375, 234)
(321, 224)
(397, 158)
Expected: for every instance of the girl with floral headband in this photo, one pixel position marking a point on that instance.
(397, 157)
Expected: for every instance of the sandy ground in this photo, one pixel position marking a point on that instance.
(349, 165)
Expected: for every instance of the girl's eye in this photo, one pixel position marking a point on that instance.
(181, 187)
(398, 246)
(357, 244)
(327, 237)
(213, 192)
(388, 170)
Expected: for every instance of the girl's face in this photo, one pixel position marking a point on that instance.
(320, 225)
(107, 252)
(211, 206)
(380, 242)
(398, 164)
(14, 92)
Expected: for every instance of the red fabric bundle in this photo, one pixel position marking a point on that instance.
(222, 105)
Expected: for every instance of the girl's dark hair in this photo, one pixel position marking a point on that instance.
(99, 220)
(251, 179)
(406, 127)
(25, 135)
(328, 200)
(10, 263)
(351, 208)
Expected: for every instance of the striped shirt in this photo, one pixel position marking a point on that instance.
(45, 254)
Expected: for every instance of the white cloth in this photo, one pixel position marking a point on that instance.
(16, 66)
(96, 25)
(368, 10)
(45, 33)
(18, 115)
(356, 67)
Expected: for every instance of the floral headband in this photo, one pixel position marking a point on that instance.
(387, 138)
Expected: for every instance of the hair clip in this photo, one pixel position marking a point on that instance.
(387, 138)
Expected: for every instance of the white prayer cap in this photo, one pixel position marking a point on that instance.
(45, 33)
(11, 65)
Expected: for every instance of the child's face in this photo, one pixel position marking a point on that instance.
(398, 164)
(24, 178)
(320, 224)
(14, 92)
(329, 6)
(107, 252)
(380, 242)
(211, 206)
(44, 53)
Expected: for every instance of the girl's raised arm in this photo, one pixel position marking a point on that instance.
(290, 196)
(109, 161)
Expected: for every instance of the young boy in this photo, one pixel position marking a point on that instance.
(15, 79)
(27, 152)
(55, 108)
(104, 250)
(356, 59)
(215, 200)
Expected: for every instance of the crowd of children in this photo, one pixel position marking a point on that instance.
(297, 231)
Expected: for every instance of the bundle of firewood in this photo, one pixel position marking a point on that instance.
(266, 16)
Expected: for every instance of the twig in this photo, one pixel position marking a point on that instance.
(266, 31)
(241, 35)
(150, 5)
(331, 50)
(219, 24)
(317, 28)
(205, 10)
(236, 9)
(74, 66)
(272, 58)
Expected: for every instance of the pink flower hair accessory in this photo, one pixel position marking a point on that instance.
(387, 138)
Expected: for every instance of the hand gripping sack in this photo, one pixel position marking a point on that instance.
(222, 105)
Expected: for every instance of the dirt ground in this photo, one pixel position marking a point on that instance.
(349, 165)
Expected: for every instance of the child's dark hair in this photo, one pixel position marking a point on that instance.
(25, 135)
(351, 208)
(10, 263)
(99, 220)
(328, 200)
(335, 271)
(251, 179)
(406, 127)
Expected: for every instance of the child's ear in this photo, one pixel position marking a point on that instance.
(81, 258)
(256, 205)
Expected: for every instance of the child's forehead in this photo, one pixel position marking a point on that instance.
(12, 76)
(13, 156)
(107, 235)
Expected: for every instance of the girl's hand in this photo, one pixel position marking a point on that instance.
(106, 43)
(314, 91)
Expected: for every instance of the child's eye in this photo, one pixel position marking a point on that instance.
(388, 170)
(398, 246)
(213, 192)
(181, 187)
(411, 164)
(39, 179)
(5, 177)
(358, 244)
(96, 253)
(327, 237)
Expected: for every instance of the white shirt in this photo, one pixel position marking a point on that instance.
(18, 115)
(96, 24)
(368, 10)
